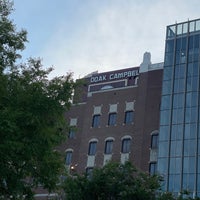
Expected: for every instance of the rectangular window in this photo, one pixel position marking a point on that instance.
(68, 160)
(72, 132)
(128, 117)
(112, 119)
(152, 168)
(92, 148)
(108, 147)
(96, 121)
(154, 141)
(126, 144)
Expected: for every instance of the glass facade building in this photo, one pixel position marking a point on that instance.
(179, 137)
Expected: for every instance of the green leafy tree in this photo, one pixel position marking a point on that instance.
(114, 181)
(32, 122)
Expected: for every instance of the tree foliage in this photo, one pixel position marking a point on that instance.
(114, 181)
(32, 122)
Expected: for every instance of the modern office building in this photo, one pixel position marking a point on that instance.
(115, 116)
(179, 137)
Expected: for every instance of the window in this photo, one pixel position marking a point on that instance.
(128, 117)
(154, 141)
(89, 172)
(152, 168)
(96, 121)
(112, 119)
(72, 132)
(108, 147)
(126, 144)
(92, 148)
(68, 160)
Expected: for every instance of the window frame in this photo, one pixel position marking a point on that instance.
(92, 148)
(128, 118)
(68, 157)
(154, 141)
(96, 120)
(112, 119)
(126, 145)
(108, 147)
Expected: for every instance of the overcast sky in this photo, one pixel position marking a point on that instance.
(82, 36)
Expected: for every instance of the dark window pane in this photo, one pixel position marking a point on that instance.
(68, 159)
(92, 148)
(108, 146)
(96, 121)
(128, 117)
(72, 132)
(152, 168)
(126, 144)
(112, 119)
(154, 141)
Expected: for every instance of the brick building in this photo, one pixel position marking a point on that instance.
(115, 116)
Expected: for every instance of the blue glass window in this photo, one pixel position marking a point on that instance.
(128, 117)
(177, 132)
(126, 144)
(96, 121)
(189, 148)
(68, 159)
(163, 149)
(164, 133)
(167, 74)
(166, 89)
(92, 148)
(154, 141)
(72, 132)
(165, 103)
(108, 147)
(152, 168)
(112, 119)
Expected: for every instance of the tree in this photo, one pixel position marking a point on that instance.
(32, 122)
(114, 181)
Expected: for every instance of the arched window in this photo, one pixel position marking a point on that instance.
(68, 158)
(108, 145)
(92, 147)
(126, 144)
(154, 140)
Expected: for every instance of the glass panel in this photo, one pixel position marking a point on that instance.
(169, 45)
(167, 73)
(154, 141)
(177, 132)
(198, 25)
(166, 89)
(189, 147)
(112, 119)
(96, 121)
(165, 103)
(176, 148)
(163, 149)
(68, 159)
(191, 26)
(108, 146)
(126, 143)
(164, 133)
(185, 28)
(179, 29)
(92, 148)
(162, 166)
(164, 119)
(171, 31)
(128, 117)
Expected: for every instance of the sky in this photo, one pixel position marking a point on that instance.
(83, 36)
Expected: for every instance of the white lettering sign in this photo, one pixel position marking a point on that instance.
(113, 76)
